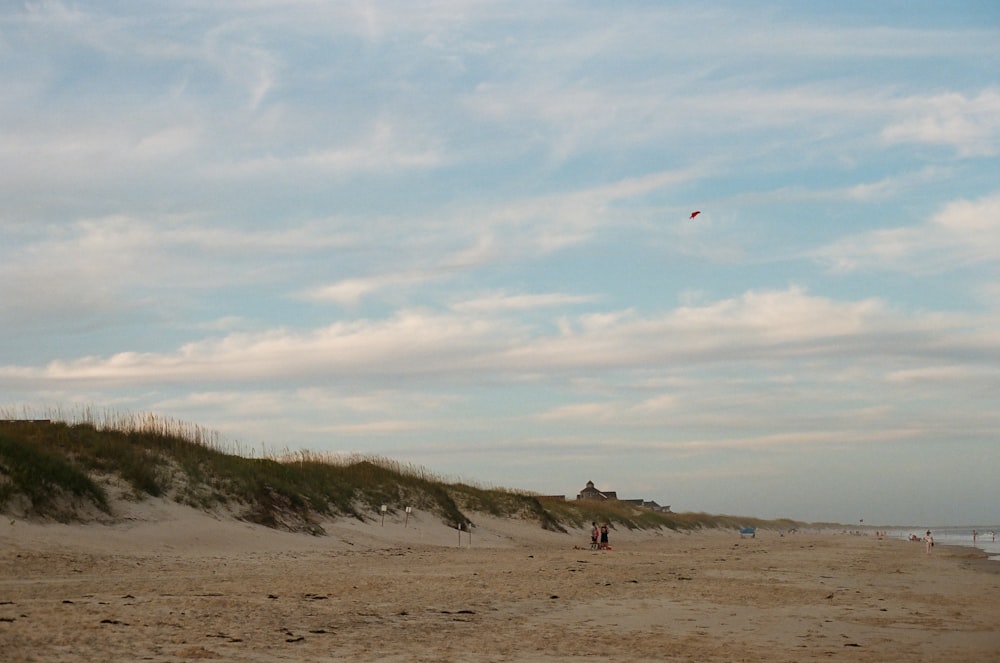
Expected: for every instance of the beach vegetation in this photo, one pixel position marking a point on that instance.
(62, 469)
(43, 479)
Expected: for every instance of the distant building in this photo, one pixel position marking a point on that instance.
(590, 492)
(647, 504)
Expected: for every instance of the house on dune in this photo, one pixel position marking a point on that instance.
(591, 492)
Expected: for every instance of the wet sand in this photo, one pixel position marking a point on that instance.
(173, 584)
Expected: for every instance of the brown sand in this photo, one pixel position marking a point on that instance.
(173, 584)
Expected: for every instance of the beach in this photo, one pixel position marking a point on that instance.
(170, 583)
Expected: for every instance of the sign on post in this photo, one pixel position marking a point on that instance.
(464, 526)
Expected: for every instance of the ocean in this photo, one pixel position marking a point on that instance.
(987, 539)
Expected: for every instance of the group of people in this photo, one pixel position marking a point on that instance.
(928, 541)
(599, 537)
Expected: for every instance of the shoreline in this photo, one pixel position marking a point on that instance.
(183, 585)
(972, 557)
(990, 550)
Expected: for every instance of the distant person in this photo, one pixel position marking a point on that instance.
(604, 536)
(974, 535)
(928, 542)
(595, 536)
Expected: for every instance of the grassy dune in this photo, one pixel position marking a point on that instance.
(72, 471)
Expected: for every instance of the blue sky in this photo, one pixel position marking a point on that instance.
(457, 234)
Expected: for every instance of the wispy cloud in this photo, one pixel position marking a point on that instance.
(963, 233)
(502, 302)
(758, 326)
(350, 291)
(971, 125)
(381, 150)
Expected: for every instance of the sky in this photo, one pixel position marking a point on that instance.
(458, 234)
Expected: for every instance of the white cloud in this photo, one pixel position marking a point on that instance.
(380, 149)
(969, 124)
(886, 188)
(106, 266)
(753, 328)
(502, 302)
(350, 291)
(963, 233)
(383, 427)
(581, 412)
(168, 142)
(540, 225)
(654, 410)
(946, 374)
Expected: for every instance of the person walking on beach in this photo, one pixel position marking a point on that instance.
(928, 542)
(595, 535)
(604, 536)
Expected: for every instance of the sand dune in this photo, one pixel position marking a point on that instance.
(173, 584)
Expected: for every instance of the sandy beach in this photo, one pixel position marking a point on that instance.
(173, 584)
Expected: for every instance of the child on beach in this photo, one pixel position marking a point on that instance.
(928, 542)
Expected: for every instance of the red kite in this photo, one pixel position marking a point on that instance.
(694, 214)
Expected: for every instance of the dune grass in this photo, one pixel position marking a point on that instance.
(49, 466)
(155, 458)
(38, 476)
